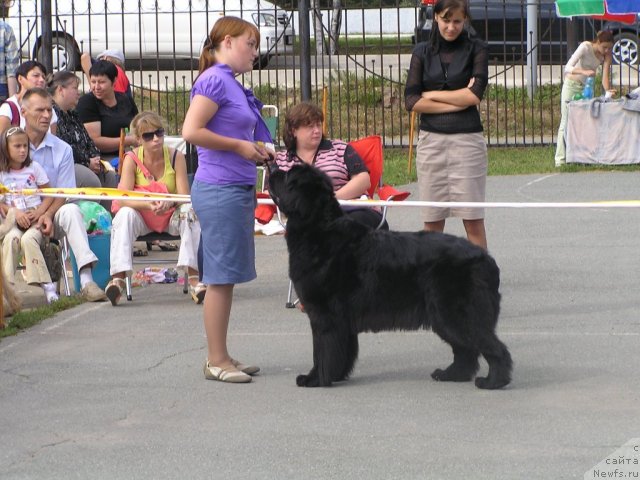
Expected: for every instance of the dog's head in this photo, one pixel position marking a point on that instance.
(304, 193)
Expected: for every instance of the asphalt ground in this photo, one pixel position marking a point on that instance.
(118, 393)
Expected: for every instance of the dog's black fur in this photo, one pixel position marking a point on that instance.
(352, 279)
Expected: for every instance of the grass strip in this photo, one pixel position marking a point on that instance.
(502, 161)
(33, 316)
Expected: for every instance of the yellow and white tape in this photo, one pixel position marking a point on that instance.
(100, 194)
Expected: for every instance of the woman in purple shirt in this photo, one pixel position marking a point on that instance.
(224, 123)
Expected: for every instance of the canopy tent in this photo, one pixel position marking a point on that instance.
(624, 11)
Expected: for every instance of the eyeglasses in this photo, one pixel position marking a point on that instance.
(14, 130)
(148, 136)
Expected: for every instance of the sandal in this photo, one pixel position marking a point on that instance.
(197, 291)
(138, 252)
(114, 290)
(164, 246)
(228, 374)
(168, 247)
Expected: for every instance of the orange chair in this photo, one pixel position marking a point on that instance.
(371, 151)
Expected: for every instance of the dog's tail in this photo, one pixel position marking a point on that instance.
(493, 283)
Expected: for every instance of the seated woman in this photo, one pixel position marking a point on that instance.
(104, 111)
(29, 74)
(116, 57)
(17, 171)
(167, 166)
(306, 143)
(90, 172)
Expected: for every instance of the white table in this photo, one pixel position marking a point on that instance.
(610, 136)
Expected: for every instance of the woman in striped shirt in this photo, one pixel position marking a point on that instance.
(305, 142)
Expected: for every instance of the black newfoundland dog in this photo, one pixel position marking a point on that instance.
(352, 279)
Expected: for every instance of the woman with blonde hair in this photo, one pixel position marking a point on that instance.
(224, 122)
(153, 161)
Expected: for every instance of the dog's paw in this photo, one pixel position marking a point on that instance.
(491, 384)
(450, 375)
(307, 381)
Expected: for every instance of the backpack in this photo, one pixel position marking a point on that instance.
(15, 113)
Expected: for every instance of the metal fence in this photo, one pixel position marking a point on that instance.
(358, 77)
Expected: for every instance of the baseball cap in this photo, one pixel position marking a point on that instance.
(112, 53)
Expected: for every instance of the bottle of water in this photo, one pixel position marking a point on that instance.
(587, 92)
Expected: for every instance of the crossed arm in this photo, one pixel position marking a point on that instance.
(446, 101)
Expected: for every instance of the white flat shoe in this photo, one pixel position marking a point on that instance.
(228, 374)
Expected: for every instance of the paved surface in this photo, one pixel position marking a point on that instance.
(111, 393)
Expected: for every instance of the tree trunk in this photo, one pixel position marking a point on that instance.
(336, 25)
(317, 27)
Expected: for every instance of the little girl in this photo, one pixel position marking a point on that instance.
(17, 171)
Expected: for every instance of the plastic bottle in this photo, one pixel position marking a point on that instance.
(587, 92)
(93, 223)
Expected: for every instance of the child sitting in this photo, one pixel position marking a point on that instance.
(17, 172)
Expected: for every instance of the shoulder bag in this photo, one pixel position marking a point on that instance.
(156, 222)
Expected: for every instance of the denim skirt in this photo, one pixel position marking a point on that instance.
(226, 215)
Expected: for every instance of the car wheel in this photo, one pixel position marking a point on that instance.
(64, 53)
(625, 48)
(261, 62)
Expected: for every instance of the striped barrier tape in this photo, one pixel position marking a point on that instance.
(100, 194)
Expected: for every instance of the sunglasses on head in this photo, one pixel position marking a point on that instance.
(14, 130)
(148, 136)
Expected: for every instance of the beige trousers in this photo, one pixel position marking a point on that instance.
(17, 241)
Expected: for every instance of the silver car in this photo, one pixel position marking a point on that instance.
(157, 29)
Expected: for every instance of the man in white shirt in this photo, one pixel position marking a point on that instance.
(56, 157)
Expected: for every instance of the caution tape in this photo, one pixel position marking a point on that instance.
(97, 194)
(100, 194)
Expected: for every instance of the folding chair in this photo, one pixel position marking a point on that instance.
(371, 151)
(64, 254)
(270, 117)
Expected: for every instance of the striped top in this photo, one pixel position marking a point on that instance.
(334, 157)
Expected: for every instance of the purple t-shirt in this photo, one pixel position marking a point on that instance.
(235, 119)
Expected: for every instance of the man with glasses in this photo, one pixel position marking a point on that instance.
(9, 54)
(56, 157)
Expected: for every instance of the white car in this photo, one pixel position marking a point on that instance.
(162, 29)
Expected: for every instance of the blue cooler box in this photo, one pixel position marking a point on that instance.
(100, 245)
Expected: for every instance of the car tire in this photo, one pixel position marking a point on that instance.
(626, 48)
(262, 61)
(64, 51)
